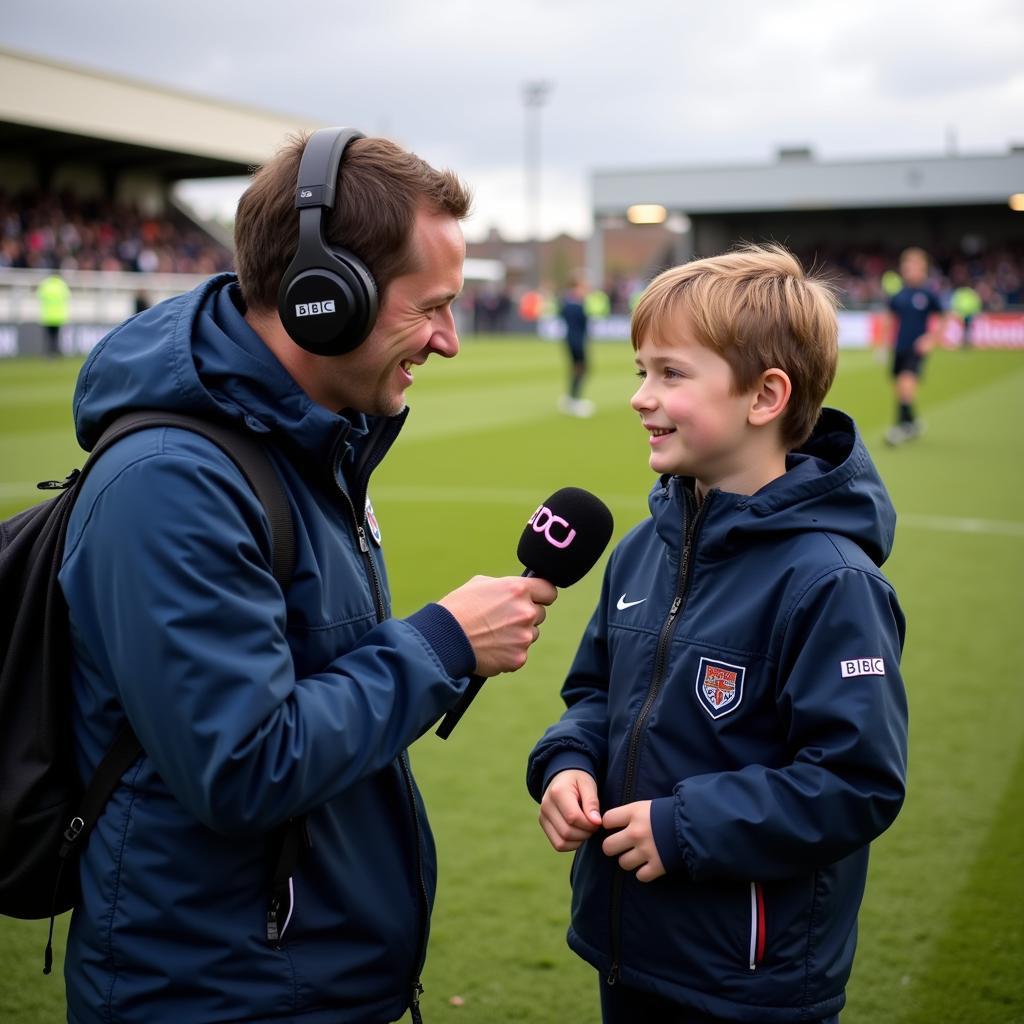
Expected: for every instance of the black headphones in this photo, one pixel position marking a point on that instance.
(327, 299)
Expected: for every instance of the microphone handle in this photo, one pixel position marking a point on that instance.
(458, 709)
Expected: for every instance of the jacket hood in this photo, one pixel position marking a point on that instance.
(831, 485)
(195, 353)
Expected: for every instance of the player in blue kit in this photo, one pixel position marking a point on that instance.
(912, 306)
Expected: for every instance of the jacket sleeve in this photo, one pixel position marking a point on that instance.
(579, 739)
(172, 599)
(840, 698)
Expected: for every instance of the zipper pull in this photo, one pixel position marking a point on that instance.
(71, 834)
(414, 1004)
(59, 485)
(613, 974)
(273, 916)
(675, 607)
(363, 546)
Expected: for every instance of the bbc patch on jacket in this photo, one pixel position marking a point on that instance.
(719, 686)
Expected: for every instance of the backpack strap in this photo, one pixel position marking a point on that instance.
(247, 453)
(116, 761)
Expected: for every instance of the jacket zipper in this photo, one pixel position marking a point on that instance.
(416, 988)
(690, 525)
(421, 951)
(758, 927)
(364, 548)
(369, 461)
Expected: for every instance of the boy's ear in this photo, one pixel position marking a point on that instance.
(770, 398)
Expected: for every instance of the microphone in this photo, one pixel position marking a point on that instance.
(561, 543)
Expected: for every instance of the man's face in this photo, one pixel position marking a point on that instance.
(697, 426)
(414, 320)
(914, 269)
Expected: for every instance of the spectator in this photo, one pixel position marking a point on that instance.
(54, 306)
(965, 302)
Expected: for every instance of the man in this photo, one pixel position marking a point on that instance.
(966, 303)
(911, 308)
(54, 308)
(574, 316)
(257, 708)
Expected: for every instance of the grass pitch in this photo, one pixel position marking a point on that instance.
(942, 925)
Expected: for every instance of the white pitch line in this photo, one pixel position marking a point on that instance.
(954, 524)
(528, 499)
(469, 495)
(8, 492)
(487, 496)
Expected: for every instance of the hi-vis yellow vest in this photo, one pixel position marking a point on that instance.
(54, 299)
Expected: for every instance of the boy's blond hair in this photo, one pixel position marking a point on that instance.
(757, 309)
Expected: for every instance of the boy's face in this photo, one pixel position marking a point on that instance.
(696, 425)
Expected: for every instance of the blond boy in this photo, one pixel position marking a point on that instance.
(735, 732)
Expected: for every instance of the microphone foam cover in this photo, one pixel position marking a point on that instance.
(565, 537)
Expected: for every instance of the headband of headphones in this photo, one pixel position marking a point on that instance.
(327, 299)
(319, 166)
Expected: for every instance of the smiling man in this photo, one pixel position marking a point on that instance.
(270, 715)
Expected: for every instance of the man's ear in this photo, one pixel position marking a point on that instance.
(770, 398)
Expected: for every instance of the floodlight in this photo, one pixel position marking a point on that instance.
(646, 213)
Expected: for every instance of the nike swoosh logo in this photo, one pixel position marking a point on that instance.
(622, 604)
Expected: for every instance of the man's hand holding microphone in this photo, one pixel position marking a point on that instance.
(562, 541)
(501, 618)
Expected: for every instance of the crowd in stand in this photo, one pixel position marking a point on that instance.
(66, 232)
(864, 275)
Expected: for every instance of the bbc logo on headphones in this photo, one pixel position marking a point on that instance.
(315, 308)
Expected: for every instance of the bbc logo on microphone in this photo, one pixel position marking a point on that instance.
(315, 308)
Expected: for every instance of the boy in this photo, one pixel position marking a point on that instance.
(911, 306)
(735, 732)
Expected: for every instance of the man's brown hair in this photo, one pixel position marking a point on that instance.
(382, 188)
(757, 309)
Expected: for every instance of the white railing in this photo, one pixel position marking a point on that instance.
(97, 296)
(101, 299)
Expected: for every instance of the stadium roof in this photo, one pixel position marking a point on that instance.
(54, 110)
(797, 181)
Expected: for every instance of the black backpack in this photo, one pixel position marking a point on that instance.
(45, 811)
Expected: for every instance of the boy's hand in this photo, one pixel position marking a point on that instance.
(634, 843)
(569, 811)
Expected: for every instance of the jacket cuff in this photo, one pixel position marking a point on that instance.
(568, 759)
(663, 828)
(442, 631)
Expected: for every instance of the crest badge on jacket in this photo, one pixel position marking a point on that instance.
(719, 686)
(371, 522)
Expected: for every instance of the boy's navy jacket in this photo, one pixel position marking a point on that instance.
(253, 707)
(766, 720)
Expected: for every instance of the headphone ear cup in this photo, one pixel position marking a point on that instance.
(329, 310)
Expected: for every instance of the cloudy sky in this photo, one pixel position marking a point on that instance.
(633, 83)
